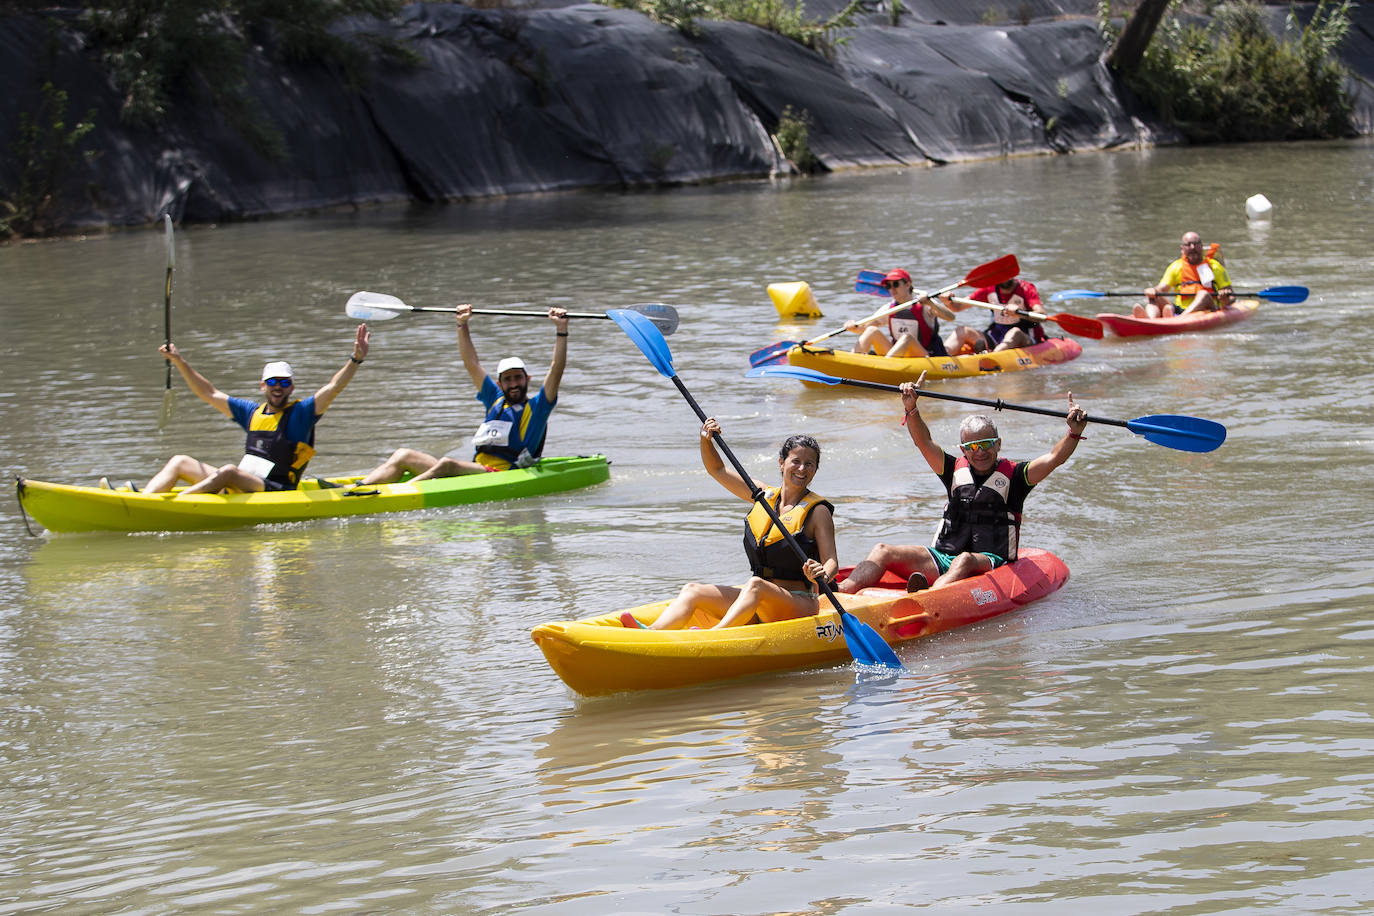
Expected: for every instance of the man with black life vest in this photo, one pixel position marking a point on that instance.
(1008, 329)
(912, 331)
(281, 432)
(1201, 281)
(512, 433)
(982, 521)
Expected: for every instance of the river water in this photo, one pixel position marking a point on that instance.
(350, 716)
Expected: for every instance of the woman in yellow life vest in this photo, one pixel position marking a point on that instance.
(783, 586)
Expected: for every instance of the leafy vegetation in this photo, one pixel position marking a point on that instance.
(793, 134)
(47, 149)
(787, 19)
(153, 47)
(1233, 80)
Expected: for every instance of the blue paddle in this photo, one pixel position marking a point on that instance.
(864, 643)
(1272, 293)
(1186, 434)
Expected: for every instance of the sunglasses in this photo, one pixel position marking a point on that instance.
(980, 445)
(892, 284)
(277, 382)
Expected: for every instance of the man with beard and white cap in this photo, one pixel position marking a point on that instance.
(281, 432)
(512, 433)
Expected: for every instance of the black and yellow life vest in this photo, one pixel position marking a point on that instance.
(978, 518)
(770, 556)
(267, 439)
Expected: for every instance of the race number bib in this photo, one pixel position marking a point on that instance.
(492, 432)
(256, 464)
(1205, 275)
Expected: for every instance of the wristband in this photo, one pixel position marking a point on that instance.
(1074, 435)
(354, 359)
(560, 334)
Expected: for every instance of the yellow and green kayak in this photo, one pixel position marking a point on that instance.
(58, 507)
(600, 655)
(893, 370)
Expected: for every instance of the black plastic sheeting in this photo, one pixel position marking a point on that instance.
(514, 101)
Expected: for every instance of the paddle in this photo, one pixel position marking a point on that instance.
(1074, 324)
(1272, 293)
(1186, 434)
(998, 270)
(863, 641)
(367, 306)
(168, 396)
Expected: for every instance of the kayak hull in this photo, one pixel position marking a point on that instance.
(63, 508)
(598, 655)
(1130, 326)
(889, 370)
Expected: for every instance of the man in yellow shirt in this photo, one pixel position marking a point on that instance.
(1202, 284)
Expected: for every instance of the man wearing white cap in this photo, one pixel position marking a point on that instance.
(512, 434)
(281, 432)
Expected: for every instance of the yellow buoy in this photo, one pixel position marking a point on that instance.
(794, 300)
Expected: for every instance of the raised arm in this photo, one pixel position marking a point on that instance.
(326, 395)
(198, 383)
(1038, 469)
(916, 426)
(559, 317)
(715, 465)
(466, 349)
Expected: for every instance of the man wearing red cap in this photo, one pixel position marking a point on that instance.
(912, 331)
(512, 435)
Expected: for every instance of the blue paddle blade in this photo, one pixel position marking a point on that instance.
(647, 337)
(875, 277)
(1187, 434)
(773, 354)
(867, 647)
(796, 372)
(1078, 294)
(873, 289)
(1283, 293)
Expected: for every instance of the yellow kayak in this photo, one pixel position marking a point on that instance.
(890, 370)
(58, 507)
(599, 655)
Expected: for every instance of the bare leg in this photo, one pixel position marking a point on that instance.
(229, 477)
(874, 339)
(965, 566)
(395, 467)
(712, 598)
(178, 468)
(902, 560)
(1015, 339)
(769, 601)
(451, 467)
(1202, 302)
(906, 345)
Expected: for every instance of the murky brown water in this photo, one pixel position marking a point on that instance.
(350, 716)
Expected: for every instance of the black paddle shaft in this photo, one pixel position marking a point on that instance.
(998, 404)
(756, 493)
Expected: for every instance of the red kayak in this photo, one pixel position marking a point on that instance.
(1130, 326)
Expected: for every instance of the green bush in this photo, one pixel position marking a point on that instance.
(1233, 80)
(153, 47)
(793, 134)
(786, 18)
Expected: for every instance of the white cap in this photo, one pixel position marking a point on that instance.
(506, 365)
(279, 369)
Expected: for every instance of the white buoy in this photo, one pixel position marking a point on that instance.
(1258, 207)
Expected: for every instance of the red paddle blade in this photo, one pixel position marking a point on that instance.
(999, 270)
(1076, 324)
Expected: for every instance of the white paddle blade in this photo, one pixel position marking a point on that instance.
(366, 306)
